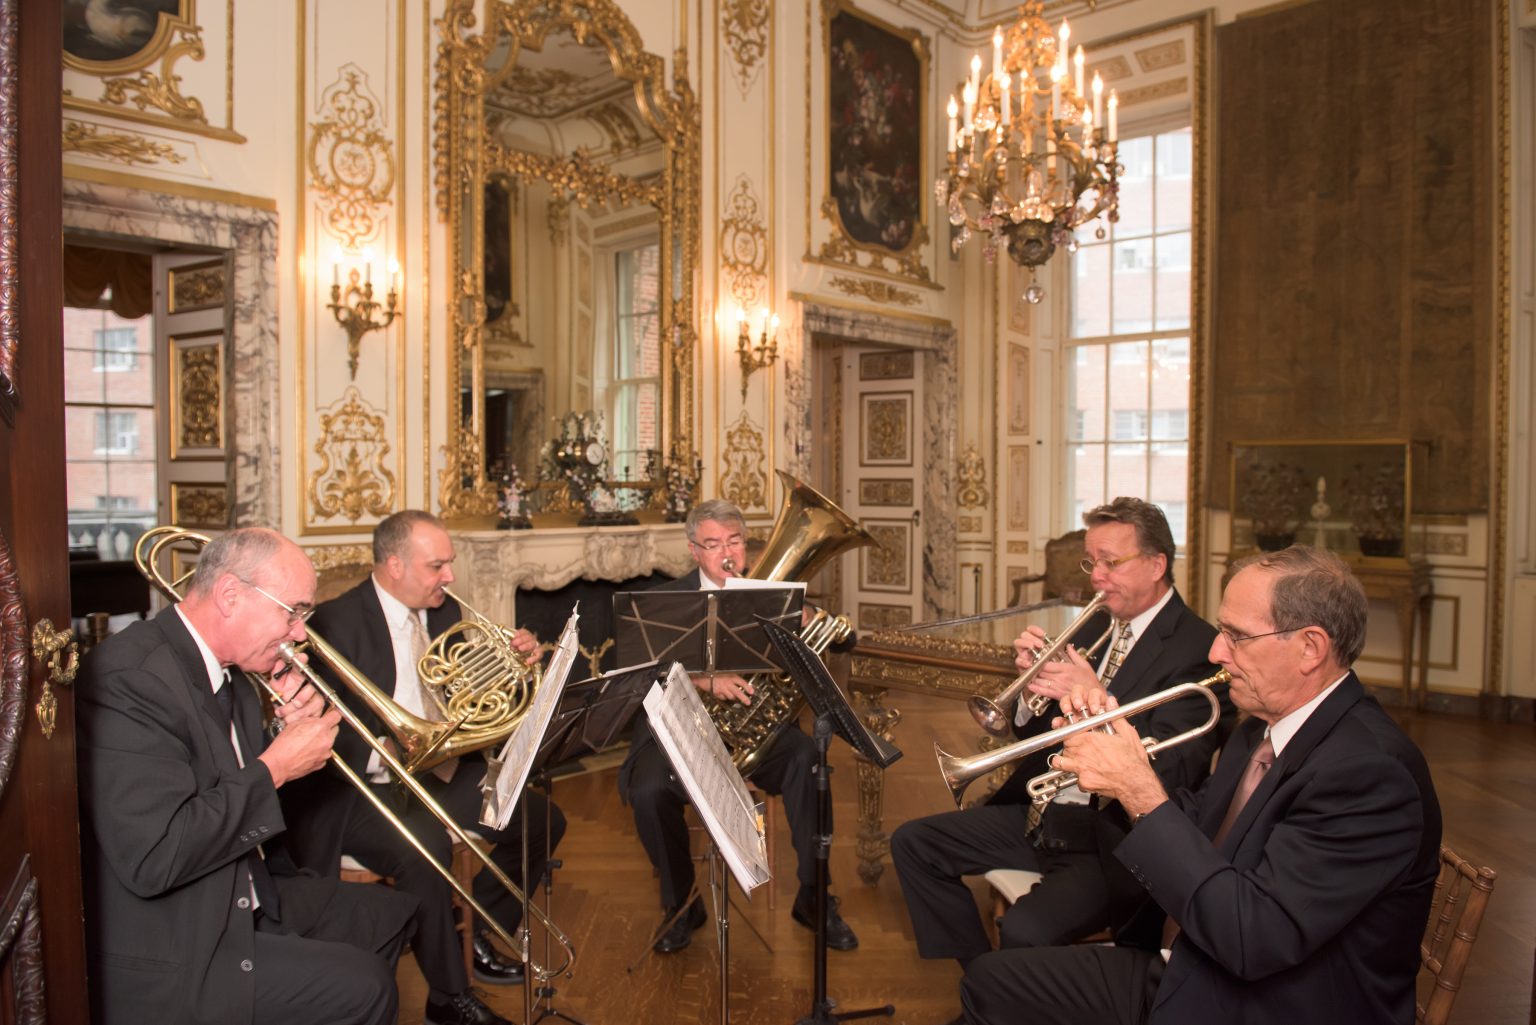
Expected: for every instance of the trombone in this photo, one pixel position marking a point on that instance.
(959, 772)
(146, 556)
(991, 713)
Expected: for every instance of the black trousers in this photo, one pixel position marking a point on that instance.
(375, 844)
(339, 972)
(932, 853)
(1084, 985)
(658, 799)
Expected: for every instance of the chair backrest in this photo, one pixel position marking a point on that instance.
(1064, 577)
(1461, 895)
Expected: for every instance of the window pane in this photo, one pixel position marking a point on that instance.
(1091, 291)
(1128, 377)
(1085, 419)
(1133, 286)
(1086, 488)
(1173, 271)
(1136, 188)
(1174, 167)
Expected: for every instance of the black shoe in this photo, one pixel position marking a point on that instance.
(839, 934)
(680, 933)
(464, 1009)
(493, 969)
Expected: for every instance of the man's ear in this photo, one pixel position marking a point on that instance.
(1317, 647)
(226, 594)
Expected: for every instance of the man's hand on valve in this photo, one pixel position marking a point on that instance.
(1112, 764)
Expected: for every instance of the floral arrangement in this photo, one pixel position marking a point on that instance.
(680, 477)
(1375, 504)
(1273, 499)
(512, 500)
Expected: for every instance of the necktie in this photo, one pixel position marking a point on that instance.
(1258, 764)
(430, 708)
(255, 863)
(1117, 653)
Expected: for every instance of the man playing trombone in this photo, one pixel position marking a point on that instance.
(1295, 884)
(195, 913)
(1156, 641)
(382, 626)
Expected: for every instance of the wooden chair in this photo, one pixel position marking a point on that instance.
(1461, 895)
(1063, 579)
(1007, 886)
(464, 867)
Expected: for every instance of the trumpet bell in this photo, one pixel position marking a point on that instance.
(988, 715)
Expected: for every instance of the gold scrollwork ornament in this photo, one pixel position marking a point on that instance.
(352, 478)
(972, 475)
(60, 656)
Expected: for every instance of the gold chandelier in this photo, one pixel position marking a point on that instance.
(1031, 157)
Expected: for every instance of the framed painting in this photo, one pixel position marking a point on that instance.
(876, 122)
(111, 38)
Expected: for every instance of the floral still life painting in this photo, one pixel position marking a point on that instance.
(875, 126)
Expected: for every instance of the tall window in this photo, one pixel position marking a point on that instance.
(634, 388)
(1128, 363)
(109, 393)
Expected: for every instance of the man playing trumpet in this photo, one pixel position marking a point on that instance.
(1295, 883)
(1156, 641)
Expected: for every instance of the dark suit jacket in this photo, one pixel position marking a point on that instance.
(1313, 907)
(353, 623)
(167, 817)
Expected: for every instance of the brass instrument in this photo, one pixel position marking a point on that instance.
(482, 685)
(991, 713)
(146, 556)
(809, 532)
(959, 772)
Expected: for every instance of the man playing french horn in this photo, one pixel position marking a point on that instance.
(717, 541)
(382, 627)
(1155, 641)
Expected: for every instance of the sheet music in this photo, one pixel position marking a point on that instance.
(508, 772)
(702, 763)
(749, 584)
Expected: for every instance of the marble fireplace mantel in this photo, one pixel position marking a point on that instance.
(493, 564)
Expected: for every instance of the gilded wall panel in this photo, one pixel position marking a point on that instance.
(197, 396)
(200, 506)
(885, 429)
(353, 479)
(886, 568)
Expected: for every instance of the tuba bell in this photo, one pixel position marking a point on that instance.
(809, 532)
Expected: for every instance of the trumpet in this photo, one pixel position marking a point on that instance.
(991, 713)
(959, 772)
(146, 556)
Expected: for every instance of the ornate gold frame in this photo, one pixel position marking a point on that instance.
(466, 156)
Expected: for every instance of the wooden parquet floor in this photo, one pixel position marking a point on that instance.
(605, 896)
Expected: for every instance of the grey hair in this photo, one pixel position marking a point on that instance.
(715, 510)
(1315, 588)
(1153, 535)
(241, 553)
(393, 534)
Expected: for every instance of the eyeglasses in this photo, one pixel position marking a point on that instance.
(714, 544)
(1234, 639)
(1089, 565)
(295, 615)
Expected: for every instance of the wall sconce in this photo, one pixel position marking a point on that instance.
(761, 355)
(355, 309)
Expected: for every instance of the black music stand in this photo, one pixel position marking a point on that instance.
(591, 714)
(706, 631)
(833, 712)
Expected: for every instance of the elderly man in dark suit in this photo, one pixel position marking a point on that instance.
(717, 540)
(194, 912)
(1295, 884)
(1155, 642)
(381, 626)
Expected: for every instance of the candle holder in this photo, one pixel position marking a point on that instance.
(760, 356)
(356, 310)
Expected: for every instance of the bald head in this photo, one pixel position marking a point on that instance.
(247, 596)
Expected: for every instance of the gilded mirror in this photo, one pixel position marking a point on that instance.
(568, 174)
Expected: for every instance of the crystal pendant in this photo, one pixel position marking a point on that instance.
(1100, 233)
(941, 191)
(1033, 294)
(1071, 243)
(956, 211)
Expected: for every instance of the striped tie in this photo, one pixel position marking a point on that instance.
(1117, 653)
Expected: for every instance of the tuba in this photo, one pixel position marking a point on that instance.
(810, 531)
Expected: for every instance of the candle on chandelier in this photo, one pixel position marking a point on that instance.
(1077, 80)
(1058, 72)
(1050, 153)
(976, 73)
(1087, 129)
(997, 51)
(954, 112)
(1004, 81)
(969, 95)
(1098, 98)
(1114, 115)
(1062, 35)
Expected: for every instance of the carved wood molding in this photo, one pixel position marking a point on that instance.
(13, 663)
(22, 928)
(10, 258)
